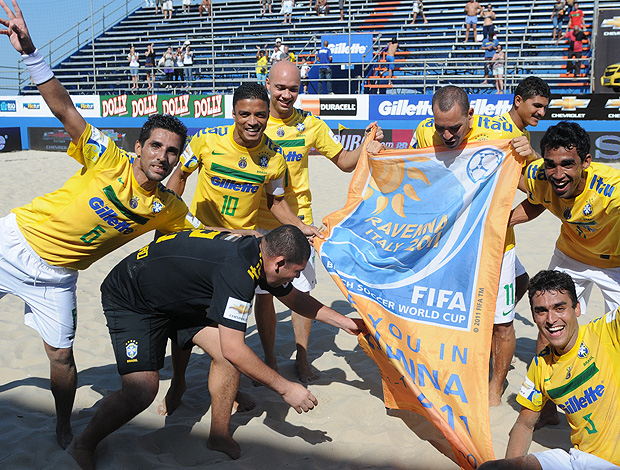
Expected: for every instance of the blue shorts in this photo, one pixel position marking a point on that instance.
(471, 19)
(390, 60)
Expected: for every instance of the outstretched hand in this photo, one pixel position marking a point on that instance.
(16, 29)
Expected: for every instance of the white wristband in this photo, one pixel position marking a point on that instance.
(39, 70)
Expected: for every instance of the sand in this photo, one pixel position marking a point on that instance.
(350, 429)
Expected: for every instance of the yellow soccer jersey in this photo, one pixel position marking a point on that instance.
(590, 221)
(584, 384)
(297, 135)
(98, 209)
(232, 178)
(483, 128)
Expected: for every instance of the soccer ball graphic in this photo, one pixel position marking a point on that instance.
(483, 164)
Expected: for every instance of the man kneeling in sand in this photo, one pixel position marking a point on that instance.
(579, 371)
(196, 287)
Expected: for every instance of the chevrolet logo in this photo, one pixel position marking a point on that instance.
(613, 103)
(612, 23)
(569, 103)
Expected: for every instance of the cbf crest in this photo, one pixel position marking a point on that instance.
(583, 351)
(131, 350)
(243, 162)
(587, 210)
(300, 127)
(263, 161)
(157, 206)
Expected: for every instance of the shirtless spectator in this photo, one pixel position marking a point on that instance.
(488, 29)
(205, 6)
(266, 4)
(322, 8)
(472, 10)
(418, 9)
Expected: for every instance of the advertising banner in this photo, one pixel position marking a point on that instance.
(191, 106)
(607, 52)
(57, 139)
(417, 250)
(10, 139)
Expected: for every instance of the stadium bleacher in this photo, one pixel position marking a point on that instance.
(431, 55)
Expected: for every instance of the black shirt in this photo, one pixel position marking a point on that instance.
(191, 273)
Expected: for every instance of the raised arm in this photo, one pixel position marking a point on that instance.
(50, 88)
(346, 160)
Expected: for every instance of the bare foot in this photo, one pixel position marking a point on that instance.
(224, 444)
(172, 400)
(548, 416)
(64, 435)
(243, 403)
(305, 371)
(84, 458)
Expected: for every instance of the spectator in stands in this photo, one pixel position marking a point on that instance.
(277, 55)
(575, 17)
(167, 61)
(575, 40)
(499, 61)
(186, 5)
(158, 6)
(557, 16)
(472, 10)
(418, 7)
(304, 71)
(488, 46)
(341, 7)
(149, 64)
(390, 57)
(290, 56)
(287, 10)
(178, 60)
(488, 16)
(266, 4)
(205, 6)
(261, 65)
(188, 65)
(132, 57)
(167, 9)
(321, 8)
(325, 69)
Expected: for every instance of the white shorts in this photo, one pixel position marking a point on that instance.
(307, 278)
(505, 304)
(167, 5)
(287, 7)
(187, 2)
(575, 459)
(416, 7)
(49, 291)
(585, 276)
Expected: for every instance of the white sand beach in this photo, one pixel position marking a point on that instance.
(350, 429)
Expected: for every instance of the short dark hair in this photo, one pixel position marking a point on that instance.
(552, 281)
(166, 122)
(250, 91)
(287, 241)
(531, 87)
(446, 97)
(568, 135)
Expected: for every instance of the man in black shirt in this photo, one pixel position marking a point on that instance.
(197, 287)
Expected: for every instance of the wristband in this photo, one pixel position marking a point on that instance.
(39, 70)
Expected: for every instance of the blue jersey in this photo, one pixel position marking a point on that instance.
(324, 57)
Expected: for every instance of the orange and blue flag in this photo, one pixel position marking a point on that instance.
(417, 250)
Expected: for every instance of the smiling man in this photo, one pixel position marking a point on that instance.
(113, 199)
(296, 131)
(579, 371)
(201, 295)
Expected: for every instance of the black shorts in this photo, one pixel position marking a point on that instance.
(139, 339)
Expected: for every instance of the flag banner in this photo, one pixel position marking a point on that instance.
(417, 250)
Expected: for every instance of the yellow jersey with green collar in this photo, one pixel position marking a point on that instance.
(99, 208)
(483, 128)
(232, 178)
(297, 135)
(584, 383)
(591, 221)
